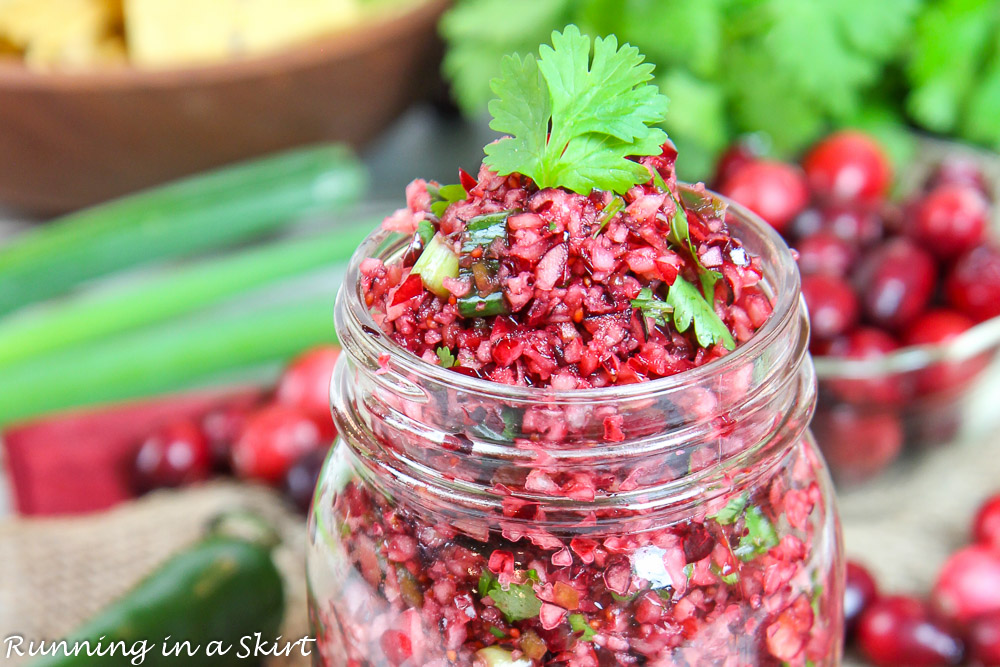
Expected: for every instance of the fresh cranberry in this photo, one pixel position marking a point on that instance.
(742, 152)
(974, 284)
(305, 384)
(939, 327)
(867, 343)
(896, 281)
(273, 439)
(775, 191)
(825, 253)
(950, 220)
(900, 630)
(300, 480)
(958, 170)
(833, 306)
(173, 455)
(848, 165)
(968, 584)
(982, 638)
(857, 224)
(986, 525)
(858, 444)
(859, 592)
(222, 425)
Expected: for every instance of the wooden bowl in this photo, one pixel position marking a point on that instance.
(72, 139)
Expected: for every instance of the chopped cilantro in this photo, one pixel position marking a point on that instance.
(497, 632)
(691, 308)
(652, 307)
(445, 196)
(732, 511)
(448, 359)
(761, 536)
(516, 603)
(578, 622)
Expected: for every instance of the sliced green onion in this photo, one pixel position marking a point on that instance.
(436, 263)
(482, 230)
(483, 306)
(425, 230)
(613, 208)
(494, 656)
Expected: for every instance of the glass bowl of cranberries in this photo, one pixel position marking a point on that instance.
(903, 291)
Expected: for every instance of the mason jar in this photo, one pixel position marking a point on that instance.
(687, 520)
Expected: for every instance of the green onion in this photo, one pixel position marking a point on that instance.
(175, 293)
(494, 656)
(482, 230)
(197, 214)
(482, 306)
(171, 357)
(437, 262)
(613, 208)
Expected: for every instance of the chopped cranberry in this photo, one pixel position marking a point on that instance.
(858, 444)
(305, 384)
(397, 647)
(859, 592)
(300, 480)
(173, 455)
(982, 637)
(950, 220)
(825, 253)
(900, 630)
(986, 525)
(848, 165)
(968, 584)
(974, 283)
(273, 439)
(833, 306)
(775, 191)
(896, 281)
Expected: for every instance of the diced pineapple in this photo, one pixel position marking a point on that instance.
(63, 33)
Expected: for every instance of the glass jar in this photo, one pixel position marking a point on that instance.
(686, 520)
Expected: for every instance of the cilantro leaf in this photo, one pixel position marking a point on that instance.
(732, 511)
(573, 119)
(761, 536)
(445, 196)
(578, 622)
(652, 307)
(447, 358)
(691, 309)
(517, 603)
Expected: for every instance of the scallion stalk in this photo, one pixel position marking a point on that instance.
(437, 262)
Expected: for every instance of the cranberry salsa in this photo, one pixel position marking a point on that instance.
(574, 272)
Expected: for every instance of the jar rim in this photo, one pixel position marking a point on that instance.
(786, 301)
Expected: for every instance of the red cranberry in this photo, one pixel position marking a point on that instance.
(974, 284)
(950, 220)
(273, 439)
(896, 281)
(222, 426)
(848, 165)
(867, 343)
(173, 455)
(968, 584)
(900, 630)
(856, 224)
(833, 306)
(859, 592)
(958, 170)
(742, 152)
(300, 480)
(986, 525)
(982, 637)
(856, 444)
(938, 327)
(825, 253)
(305, 384)
(775, 191)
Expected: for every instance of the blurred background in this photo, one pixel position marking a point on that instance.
(182, 184)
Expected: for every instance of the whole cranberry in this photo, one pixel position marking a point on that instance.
(968, 584)
(939, 327)
(899, 630)
(982, 640)
(857, 444)
(222, 425)
(896, 281)
(868, 343)
(833, 306)
(848, 165)
(305, 383)
(175, 454)
(958, 170)
(273, 439)
(986, 525)
(743, 151)
(857, 224)
(974, 283)
(950, 219)
(300, 480)
(825, 253)
(859, 592)
(775, 191)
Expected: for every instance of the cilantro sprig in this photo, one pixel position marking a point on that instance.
(517, 603)
(575, 116)
(687, 307)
